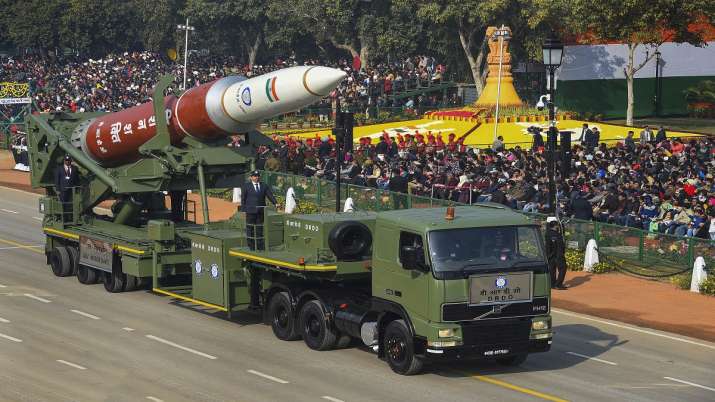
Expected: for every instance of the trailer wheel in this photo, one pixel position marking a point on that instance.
(74, 258)
(131, 284)
(315, 329)
(114, 282)
(400, 349)
(60, 261)
(515, 360)
(281, 314)
(87, 275)
(350, 240)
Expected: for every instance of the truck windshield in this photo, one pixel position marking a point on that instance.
(473, 249)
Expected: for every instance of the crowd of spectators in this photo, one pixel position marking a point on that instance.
(120, 81)
(664, 187)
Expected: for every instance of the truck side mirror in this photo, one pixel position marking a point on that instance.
(412, 258)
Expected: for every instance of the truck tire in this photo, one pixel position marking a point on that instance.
(60, 261)
(282, 316)
(515, 360)
(131, 284)
(114, 282)
(87, 275)
(400, 349)
(315, 327)
(74, 258)
(350, 240)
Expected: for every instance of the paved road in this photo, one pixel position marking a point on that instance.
(63, 341)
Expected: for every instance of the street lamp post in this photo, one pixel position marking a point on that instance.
(656, 98)
(186, 28)
(500, 34)
(553, 51)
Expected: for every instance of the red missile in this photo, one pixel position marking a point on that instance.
(227, 106)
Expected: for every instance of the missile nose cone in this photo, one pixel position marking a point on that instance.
(319, 81)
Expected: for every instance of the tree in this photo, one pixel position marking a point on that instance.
(158, 23)
(32, 23)
(467, 20)
(99, 27)
(230, 26)
(349, 25)
(643, 24)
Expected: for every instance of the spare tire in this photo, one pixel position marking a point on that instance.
(350, 240)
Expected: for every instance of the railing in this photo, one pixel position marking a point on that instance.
(642, 253)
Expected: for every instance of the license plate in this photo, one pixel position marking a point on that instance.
(500, 288)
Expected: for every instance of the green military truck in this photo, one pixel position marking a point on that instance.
(414, 285)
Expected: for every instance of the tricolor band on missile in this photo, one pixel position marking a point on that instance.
(227, 106)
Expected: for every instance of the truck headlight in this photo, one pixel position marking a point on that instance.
(540, 325)
(446, 333)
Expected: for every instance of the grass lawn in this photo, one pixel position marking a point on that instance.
(706, 126)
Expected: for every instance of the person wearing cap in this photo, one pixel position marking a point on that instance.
(253, 202)
(66, 179)
(555, 253)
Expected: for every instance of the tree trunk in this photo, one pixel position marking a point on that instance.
(349, 48)
(364, 56)
(474, 64)
(630, 72)
(253, 51)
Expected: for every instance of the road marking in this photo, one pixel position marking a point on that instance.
(330, 398)
(37, 218)
(128, 329)
(268, 377)
(16, 247)
(88, 315)
(517, 388)
(592, 358)
(10, 338)
(632, 328)
(153, 398)
(2, 286)
(77, 366)
(37, 298)
(20, 245)
(184, 348)
(692, 384)
(4, 321)
(8, 211)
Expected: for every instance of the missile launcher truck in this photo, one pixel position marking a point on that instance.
(414, 285)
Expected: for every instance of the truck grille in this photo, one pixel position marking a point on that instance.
(465, 312)
(496, 332)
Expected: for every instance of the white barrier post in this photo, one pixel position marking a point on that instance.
(699, 274)
(591, 256)
(236, 195)
(291, 203)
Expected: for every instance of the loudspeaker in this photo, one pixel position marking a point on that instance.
(348, 123)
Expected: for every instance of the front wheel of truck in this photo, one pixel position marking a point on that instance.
(515, 360)
(400, 349)
(282, 317)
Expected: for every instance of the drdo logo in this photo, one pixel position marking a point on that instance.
(500, 282)
(214, 271)
(246, 96)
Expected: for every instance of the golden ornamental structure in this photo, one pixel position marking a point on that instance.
(505, 90)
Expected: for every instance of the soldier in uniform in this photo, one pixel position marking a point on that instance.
(556, 253)
(66, 178)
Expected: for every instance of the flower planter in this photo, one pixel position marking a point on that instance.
(523, 119)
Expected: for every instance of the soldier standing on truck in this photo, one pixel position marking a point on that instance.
(66, 178)
(253, 202)
(556, 253)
